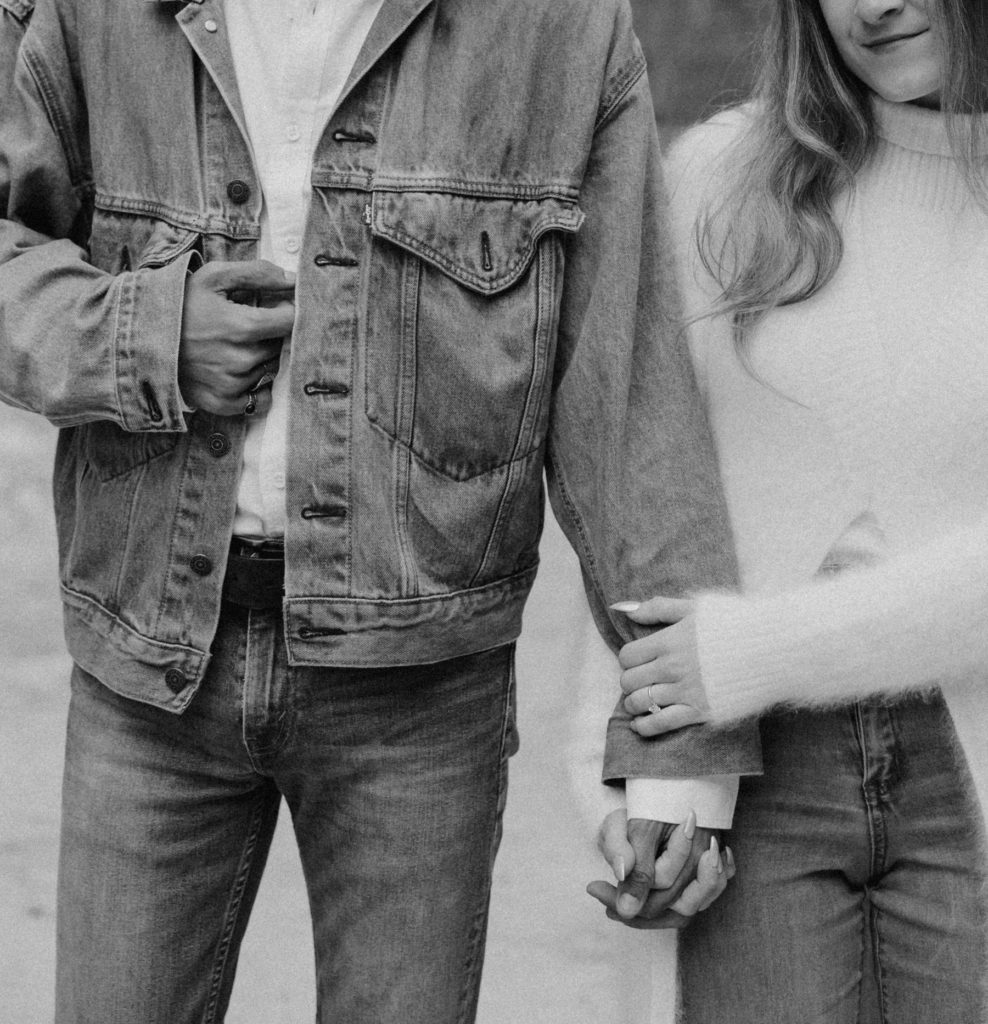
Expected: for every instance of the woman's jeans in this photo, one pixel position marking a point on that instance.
(396, 784)
(860, 869)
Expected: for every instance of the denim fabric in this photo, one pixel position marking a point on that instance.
(395, 780)
(483, 295)
(859, 894)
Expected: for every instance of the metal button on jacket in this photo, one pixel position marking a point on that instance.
(175, 680)
(219, 444)
(201, 565)
(238, 191)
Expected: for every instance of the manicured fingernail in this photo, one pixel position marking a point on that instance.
(729, 854)
(715, 850)
(619, 870)
(627, 905)
(689, 828)
(626, 606)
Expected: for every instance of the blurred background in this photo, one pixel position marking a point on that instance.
(552, 958)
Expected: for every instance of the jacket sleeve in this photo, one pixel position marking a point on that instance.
(76, 343)
(632, 473)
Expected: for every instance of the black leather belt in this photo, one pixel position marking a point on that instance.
(255, 574)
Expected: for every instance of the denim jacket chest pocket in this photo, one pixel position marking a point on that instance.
(121, 243)
(464, 305)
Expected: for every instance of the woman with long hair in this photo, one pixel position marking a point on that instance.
(834, 236)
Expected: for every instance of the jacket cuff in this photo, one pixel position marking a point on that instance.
(685, 754)
(146, 344)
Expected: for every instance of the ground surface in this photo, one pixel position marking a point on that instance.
(552, 959)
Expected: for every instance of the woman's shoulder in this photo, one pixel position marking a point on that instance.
(702, 155)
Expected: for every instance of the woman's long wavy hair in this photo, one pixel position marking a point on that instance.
(772, 239)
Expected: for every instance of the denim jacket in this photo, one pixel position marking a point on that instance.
(483, 295)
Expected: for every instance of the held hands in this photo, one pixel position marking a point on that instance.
(667, 892)
(661, 672)
(230, 350)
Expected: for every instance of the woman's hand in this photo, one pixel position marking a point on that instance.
(661, 672)
(690, 871)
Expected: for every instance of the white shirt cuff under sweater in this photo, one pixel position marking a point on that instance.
(915, 621)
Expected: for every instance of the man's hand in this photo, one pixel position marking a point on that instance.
(660, 891)
(662, 671)
(228, 348)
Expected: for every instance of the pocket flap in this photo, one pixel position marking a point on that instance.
(485, 244)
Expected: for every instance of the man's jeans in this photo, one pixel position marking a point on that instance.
(396, 783)
(858, 893)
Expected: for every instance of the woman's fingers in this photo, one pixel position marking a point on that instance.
(712, 875)
(652, 696)
(612, 841)
(655, 611)
(675, 855)
(644, 676)
(676, 716)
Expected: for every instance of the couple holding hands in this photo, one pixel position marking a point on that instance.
(316, 292)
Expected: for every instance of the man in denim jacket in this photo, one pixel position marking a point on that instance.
(312, 589)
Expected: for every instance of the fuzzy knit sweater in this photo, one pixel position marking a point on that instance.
(860, 444)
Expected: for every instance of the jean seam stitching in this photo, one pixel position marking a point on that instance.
(221, 958)
(880, 980)
(478, 928)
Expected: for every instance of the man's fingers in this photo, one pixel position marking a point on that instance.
(245, 275)
(255, 323)
(607, 895)
(676, 716)
(645, 837)
(677, 852)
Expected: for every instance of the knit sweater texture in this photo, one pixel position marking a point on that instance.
(859, 443)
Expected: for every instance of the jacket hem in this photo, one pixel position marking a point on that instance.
(367, 633)
(127, 662)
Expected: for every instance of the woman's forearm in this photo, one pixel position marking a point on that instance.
(912, 622)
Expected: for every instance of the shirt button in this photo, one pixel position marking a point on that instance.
(175, 680)
(292, 245)
(293, 133)
(238, 191)
(279, 481)
(201, 565)
(209, 25)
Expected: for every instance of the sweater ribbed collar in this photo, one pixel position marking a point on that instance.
(919, 129)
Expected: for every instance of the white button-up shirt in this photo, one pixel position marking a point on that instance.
(292, 59)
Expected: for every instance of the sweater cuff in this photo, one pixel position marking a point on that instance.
(712, 797)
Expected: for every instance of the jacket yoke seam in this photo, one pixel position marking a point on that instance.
(236, 230)
(473, 187)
